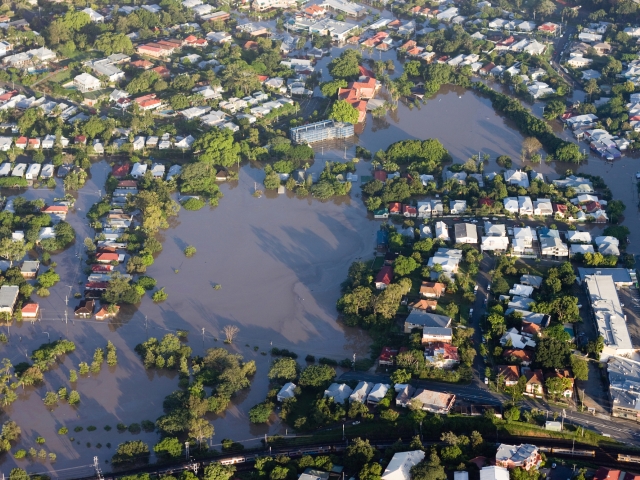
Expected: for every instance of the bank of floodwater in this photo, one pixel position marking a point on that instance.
(280, 260)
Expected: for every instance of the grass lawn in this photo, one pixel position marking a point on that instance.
(61, 77)
(378, 263)
(79, 56)
(590, 437)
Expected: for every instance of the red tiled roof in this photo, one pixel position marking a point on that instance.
(30, 308)
(380, 175)
(55, 209)
(509, 372)
(604, 473)
(395, 207)
(101, 268)
(387, 354)
(109, 257)
(142, 64)
(385, 275)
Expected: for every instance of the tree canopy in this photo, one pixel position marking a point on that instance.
(343, 111)
(218, 147)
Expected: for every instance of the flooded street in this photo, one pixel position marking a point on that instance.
(279, 260)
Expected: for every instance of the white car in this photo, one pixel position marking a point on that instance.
(488, 287)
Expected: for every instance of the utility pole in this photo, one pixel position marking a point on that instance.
(146, 328)
(354, 361)
(203, 338)
(66, 322)
(186, 449)
(96, 465)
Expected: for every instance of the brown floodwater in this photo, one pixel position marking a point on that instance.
(279, 259)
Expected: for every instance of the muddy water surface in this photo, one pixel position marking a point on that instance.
(279, 260)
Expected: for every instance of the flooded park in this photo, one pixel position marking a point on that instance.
(279, 260)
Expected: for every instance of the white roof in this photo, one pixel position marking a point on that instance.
(360, 392)
(579, 248)
(378, 392)
(399, 467)
(286, 391)
(608, 311)
(522, 232)
(574, 236)
(521, 290)
(338, 391)
(494, 473)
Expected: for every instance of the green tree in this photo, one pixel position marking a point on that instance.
(285, 369)
(404, 265)
(218, 147)
(512, 414)
(330, 89)
(343, 111)
(169, 447)
(429, 470)
(401, 376)
(553, 109)
(110, 43)
(18, 474)
(556, 386)
(216, 471)
(317, 376)
(261, 412)
(131, 451)
(347, 65)
(358, 454)
(580, 368)
(553, 353)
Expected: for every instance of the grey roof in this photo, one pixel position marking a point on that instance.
(624, 373)
(405, 395)
(608, 312)
(426, 319)
(533, 280)
(445, 332)
(517, 454)
(30, 266)
(492, 230)
(8, 295)
(619, 275)
(466, 230)
(313, 474)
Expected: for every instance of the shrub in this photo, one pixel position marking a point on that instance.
(90, 428)
(78, 429)
(283, 352)
(107, 427)
(43, 292)
(147, 282)
(40, 440)
(310, 358)
(190, 251)
(261, 412)
(148, 426)
(193, 204)
(63, 431)
(121, 427)
(135, 428)
(160, 295)
(327, 361)
(20, 454)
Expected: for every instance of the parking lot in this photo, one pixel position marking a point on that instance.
(630, 298)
